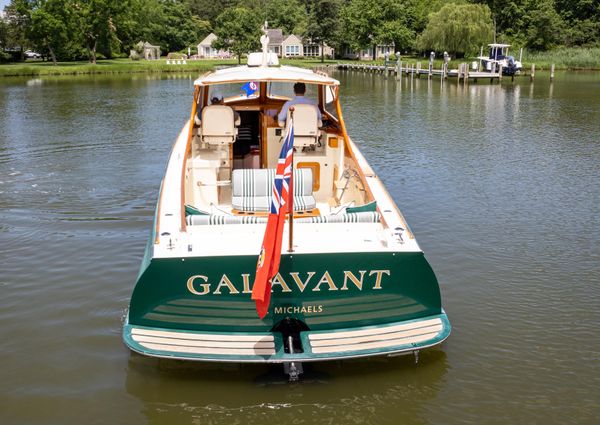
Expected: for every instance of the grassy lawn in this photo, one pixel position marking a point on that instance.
(108, 66)
(565, 58)
(574, 58)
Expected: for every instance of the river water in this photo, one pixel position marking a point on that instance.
(499, 182)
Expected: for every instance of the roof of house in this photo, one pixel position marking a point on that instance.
(292, 39)
(208, 40)
(275, 35)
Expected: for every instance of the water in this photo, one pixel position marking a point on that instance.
(500, 184)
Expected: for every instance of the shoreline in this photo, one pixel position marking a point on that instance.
(120, 66)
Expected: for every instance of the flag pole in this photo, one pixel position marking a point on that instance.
(291, 192)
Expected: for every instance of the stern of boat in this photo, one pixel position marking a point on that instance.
(323, 307)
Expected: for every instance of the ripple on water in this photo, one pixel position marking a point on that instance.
(498, 182)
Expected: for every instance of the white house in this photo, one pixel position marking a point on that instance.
(205, 49)
(292, 47)
(367, 54)
(314, 50)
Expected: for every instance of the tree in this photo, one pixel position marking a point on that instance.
(48, 27)
(544, 26)
(17, 15)
(322, 27)
(180, 28)
(361, 19)
(95, 22)
(209, 10)
(398, 33)
(289, 15)
(372, 22)
(4, 57)
(457, 29)
(238, 29)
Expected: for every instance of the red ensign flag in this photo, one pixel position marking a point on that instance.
(270, 254)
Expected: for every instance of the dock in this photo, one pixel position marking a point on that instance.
(415, 70)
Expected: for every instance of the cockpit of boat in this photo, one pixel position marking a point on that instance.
(223, 165)
(236, 141)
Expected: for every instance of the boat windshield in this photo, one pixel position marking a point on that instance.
(285, 90)
(233, 91)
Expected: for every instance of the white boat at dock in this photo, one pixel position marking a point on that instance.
(498, 60)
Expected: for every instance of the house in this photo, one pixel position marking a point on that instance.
(275, 40)
(367, 54)
(314, 50)
(292, 47)
(150, 52)
(205, 49)
(145, 50)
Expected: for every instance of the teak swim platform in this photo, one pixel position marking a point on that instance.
(355, 282)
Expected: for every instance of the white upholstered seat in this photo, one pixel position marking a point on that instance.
(218, 125)
(306, 125)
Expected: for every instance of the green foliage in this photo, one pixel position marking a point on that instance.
(77, 29)
(289, 15)
(48, 28)
(17, 14)
(565, 58)
(181, 29)
(3, 36)
(370, 22)
(322, 28)
(238, 29)
(209, 10)
(544, 27)
(398, 33)
(457, 29)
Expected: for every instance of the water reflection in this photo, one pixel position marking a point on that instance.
(499, 183)
(184, 392)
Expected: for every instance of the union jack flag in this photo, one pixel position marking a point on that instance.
(281, 203)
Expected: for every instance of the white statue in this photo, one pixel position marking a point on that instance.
(264, 41)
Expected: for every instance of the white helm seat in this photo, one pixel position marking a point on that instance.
(218, 125)
(306, 125)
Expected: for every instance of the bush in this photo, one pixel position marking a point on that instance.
(576, 57)
(4, 57)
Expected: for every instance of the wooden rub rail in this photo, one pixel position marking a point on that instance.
(205, 344)
(375, 338)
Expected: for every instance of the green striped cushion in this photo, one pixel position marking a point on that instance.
(215, 220)
(359, 217)
(252, 189)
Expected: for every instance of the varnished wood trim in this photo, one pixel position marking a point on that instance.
(297, 214)
(348, 151)
(158, 206)
(316, 168)
(187, 154)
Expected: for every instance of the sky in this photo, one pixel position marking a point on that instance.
(3, 3)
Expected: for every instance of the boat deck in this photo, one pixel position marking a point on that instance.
(268, 347)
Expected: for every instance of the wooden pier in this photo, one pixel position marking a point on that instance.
(416, 70)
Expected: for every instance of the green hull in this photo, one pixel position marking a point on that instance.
(341, 292)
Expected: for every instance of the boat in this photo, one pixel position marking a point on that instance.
(352, 280)
(499, 59)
